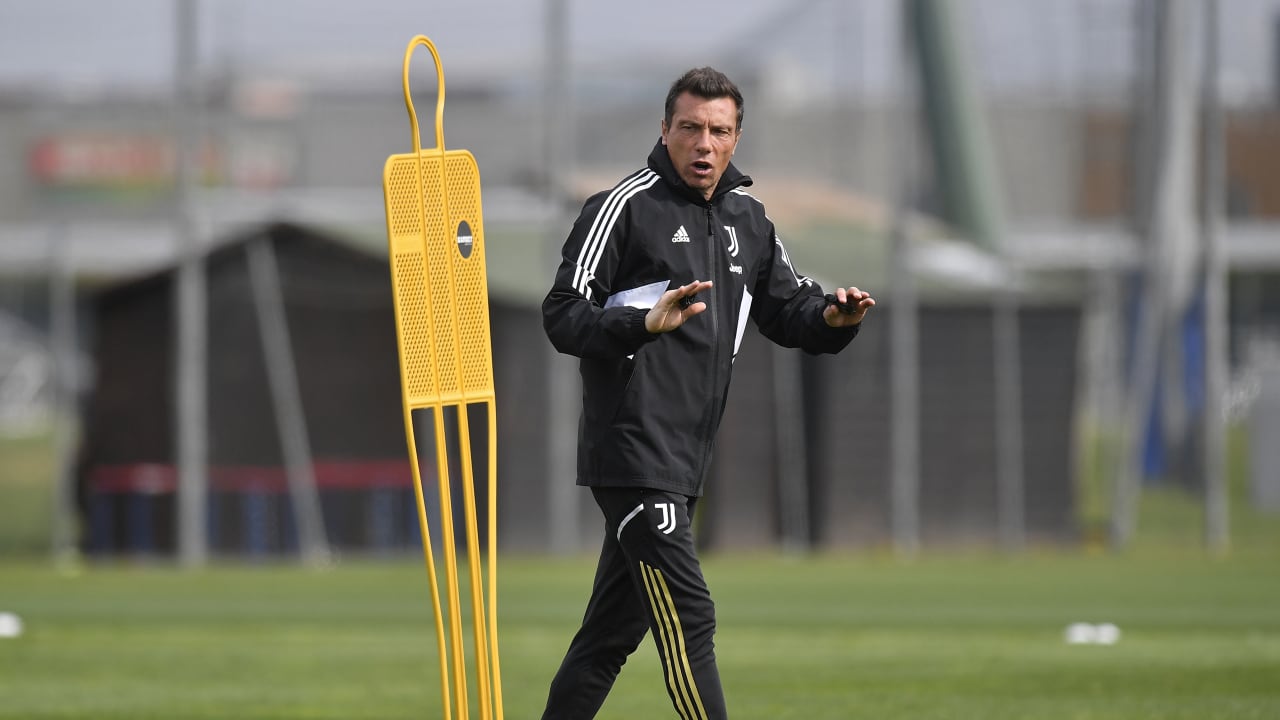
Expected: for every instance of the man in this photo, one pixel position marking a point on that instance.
(657, 280)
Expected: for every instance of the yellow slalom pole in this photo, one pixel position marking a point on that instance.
(435, 233)
(491, 411)
(450, 565)
(431, 563)
(473, 553)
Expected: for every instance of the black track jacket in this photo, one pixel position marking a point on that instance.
(652, 403)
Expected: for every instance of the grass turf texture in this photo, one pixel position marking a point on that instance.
(828, 637)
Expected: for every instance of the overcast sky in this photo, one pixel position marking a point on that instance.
(82, 41)
(1028, 43)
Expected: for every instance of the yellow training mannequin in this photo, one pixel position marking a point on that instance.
(435, 235)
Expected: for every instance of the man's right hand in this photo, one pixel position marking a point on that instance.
(670, 312)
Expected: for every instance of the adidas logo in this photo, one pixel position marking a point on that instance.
(681, 235)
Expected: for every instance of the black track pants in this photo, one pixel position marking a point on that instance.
(648, 579)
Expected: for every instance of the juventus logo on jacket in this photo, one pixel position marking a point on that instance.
(733, 240)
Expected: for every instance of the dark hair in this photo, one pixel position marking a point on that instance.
(708, 84)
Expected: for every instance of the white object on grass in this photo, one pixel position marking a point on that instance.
(10, 625)
(1090, 634)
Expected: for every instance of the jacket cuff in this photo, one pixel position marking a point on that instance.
(836, 339)
(636, 334)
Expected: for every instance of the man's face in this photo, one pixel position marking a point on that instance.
(700, 139)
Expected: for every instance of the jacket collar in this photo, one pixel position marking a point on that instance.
(660, 162)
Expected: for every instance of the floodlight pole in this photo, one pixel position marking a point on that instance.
(562, 383)
(904, 358)
(1213, 422)
(190, 318)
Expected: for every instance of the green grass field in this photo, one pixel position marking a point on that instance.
(955, 636)
(951, 635)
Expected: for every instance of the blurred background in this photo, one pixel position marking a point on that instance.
(1069, 213)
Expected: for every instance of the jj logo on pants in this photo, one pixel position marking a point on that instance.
(668, 517)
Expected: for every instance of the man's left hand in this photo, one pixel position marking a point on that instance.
(856, 304)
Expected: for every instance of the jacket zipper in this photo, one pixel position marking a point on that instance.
(713, 307)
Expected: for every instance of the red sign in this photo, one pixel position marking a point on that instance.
(102, 160)
(148, 161)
